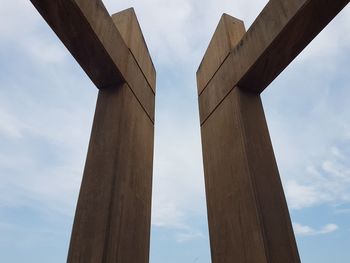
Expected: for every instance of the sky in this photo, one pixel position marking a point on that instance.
(46, 110)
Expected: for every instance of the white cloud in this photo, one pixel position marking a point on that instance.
(28, 177)
(337, 153)
(51, 191)
(178, 191)
(188, 236)
(21, 27)
(10, 126)
(16, 19)
(303, 230)
(45, 51)
(164, 24)
(347, 130)
(327, 183)
(179, 31)
(301, 196)
(342, 211)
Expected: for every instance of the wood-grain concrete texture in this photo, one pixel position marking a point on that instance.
(247, 211)
(113, 215)
(112, 221)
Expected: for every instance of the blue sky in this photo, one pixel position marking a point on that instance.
(46, 109)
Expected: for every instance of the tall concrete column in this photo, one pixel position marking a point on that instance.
(247, 211)
(113, 216)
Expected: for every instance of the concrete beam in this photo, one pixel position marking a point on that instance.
(89, 33)
(280, 32)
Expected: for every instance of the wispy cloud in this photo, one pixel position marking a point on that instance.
(35, 175)
(10, 126)
(179, 31)
(178, 191)
(188, 236)
(329, 182)
(25, 33)
(342, 211)
(45, 51)
(304, 230)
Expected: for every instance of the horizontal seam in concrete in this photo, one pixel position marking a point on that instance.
(206, 85)
(219, 103)
(144, 109)
(149, 85)
(238, 82)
